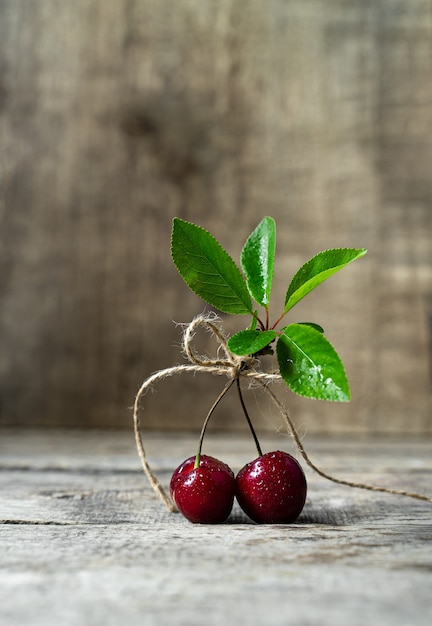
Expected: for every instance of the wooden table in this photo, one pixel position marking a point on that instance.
(83, 540)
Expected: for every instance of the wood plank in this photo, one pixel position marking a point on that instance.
(84, 540)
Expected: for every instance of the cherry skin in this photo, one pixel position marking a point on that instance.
(272, 488)
(204, 495)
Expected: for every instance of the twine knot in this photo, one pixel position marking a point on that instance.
(230, 364)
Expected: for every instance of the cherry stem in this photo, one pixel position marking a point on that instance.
(206, 421)
(248, 419)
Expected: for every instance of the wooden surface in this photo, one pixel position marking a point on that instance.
(84, 541)
(116, 116)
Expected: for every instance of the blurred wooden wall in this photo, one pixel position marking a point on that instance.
(118, 115)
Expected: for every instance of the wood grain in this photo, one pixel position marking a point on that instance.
(83, 539)
(115, 117)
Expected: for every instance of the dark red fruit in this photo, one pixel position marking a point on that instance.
(204, 495)
(272, 488)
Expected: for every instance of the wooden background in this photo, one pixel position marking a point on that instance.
(116, 116)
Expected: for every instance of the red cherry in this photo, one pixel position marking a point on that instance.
(188, 465)
(204, 495)
(272, 488)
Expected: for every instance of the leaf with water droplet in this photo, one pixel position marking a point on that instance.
(309, 364)
(257, 260)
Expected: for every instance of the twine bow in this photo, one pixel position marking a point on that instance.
(234, 367)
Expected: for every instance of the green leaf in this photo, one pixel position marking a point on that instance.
(254, 321)
(208, 269)
(317, 270)
(312, 325)
(250, 341)
(310, 365)
(257, 260)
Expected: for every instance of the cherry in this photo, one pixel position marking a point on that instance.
(203, 494)
(272, 488)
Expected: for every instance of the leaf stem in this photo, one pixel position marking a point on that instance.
(254, 435)
(206, 421)
(261, 325)
(279, 319)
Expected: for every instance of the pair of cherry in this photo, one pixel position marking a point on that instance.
(270, 490)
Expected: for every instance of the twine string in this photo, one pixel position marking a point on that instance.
(284, 413)
(233, 367)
